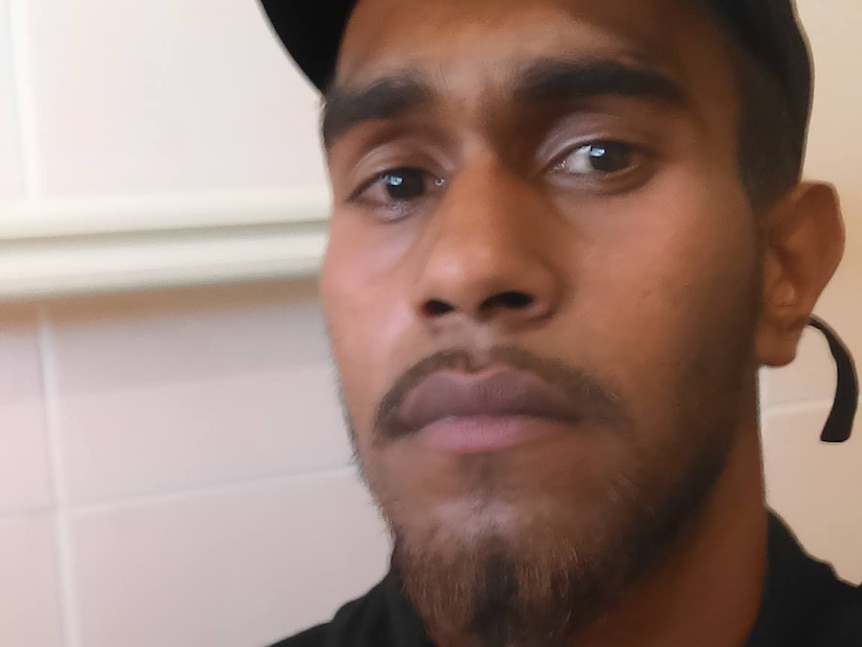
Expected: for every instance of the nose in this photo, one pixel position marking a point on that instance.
(490, 254)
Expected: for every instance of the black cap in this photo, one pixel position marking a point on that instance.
(768, 30)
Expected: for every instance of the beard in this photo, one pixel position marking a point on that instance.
(524, 571)
(539, 580)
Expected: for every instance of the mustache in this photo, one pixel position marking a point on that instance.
(599, 399)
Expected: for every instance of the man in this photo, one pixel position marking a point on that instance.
(566, 234)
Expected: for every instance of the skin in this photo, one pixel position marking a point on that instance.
(654, 280)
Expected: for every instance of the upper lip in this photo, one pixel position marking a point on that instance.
(501, 392)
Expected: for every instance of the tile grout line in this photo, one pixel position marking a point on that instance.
(801, 406)
(63, 543)
(13, 516)
(22, 86)
(216, 489)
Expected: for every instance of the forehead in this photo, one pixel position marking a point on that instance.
(468, 45)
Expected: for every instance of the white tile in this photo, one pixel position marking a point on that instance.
(24, 464)
(815, 486)
(225, 570)
(139, 96)
(29, 608)
(193, 388)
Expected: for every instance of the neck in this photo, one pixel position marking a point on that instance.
(707, 591)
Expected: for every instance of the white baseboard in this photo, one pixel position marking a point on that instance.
(92, 245)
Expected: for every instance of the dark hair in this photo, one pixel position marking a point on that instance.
(768, 153)
(768, 165)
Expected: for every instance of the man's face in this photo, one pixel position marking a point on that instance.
(541, 288)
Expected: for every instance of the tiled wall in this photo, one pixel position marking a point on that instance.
(173, 471)
(173, 468)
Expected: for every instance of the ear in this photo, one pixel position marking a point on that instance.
(803, 239)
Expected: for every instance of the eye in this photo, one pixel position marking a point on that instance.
(398, 188)
(404, 184)
(603, 158)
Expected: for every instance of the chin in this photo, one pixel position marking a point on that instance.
(499, 570)
(509, 500)
(472, 520)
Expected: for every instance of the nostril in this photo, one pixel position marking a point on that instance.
(436, 308)
(511, 300)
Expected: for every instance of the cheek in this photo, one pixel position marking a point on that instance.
(366, 317)
(675, 275)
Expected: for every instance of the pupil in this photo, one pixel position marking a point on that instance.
(609, 159)
(404, 184)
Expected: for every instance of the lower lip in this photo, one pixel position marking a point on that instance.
(486, 434)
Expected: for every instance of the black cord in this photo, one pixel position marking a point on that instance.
(839, 424)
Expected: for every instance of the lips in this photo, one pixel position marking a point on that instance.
(484, 405)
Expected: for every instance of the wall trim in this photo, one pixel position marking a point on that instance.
(61, 247)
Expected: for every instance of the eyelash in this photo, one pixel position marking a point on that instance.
(395, 208)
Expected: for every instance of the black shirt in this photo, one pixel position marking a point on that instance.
(804, 605)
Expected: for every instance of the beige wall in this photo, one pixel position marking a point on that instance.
(173, 469)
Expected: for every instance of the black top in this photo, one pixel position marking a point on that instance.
(804, 605)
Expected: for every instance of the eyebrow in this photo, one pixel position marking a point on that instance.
(555, 80)
(543, 81)
(387, 98)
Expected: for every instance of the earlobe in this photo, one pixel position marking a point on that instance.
(803, 239)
